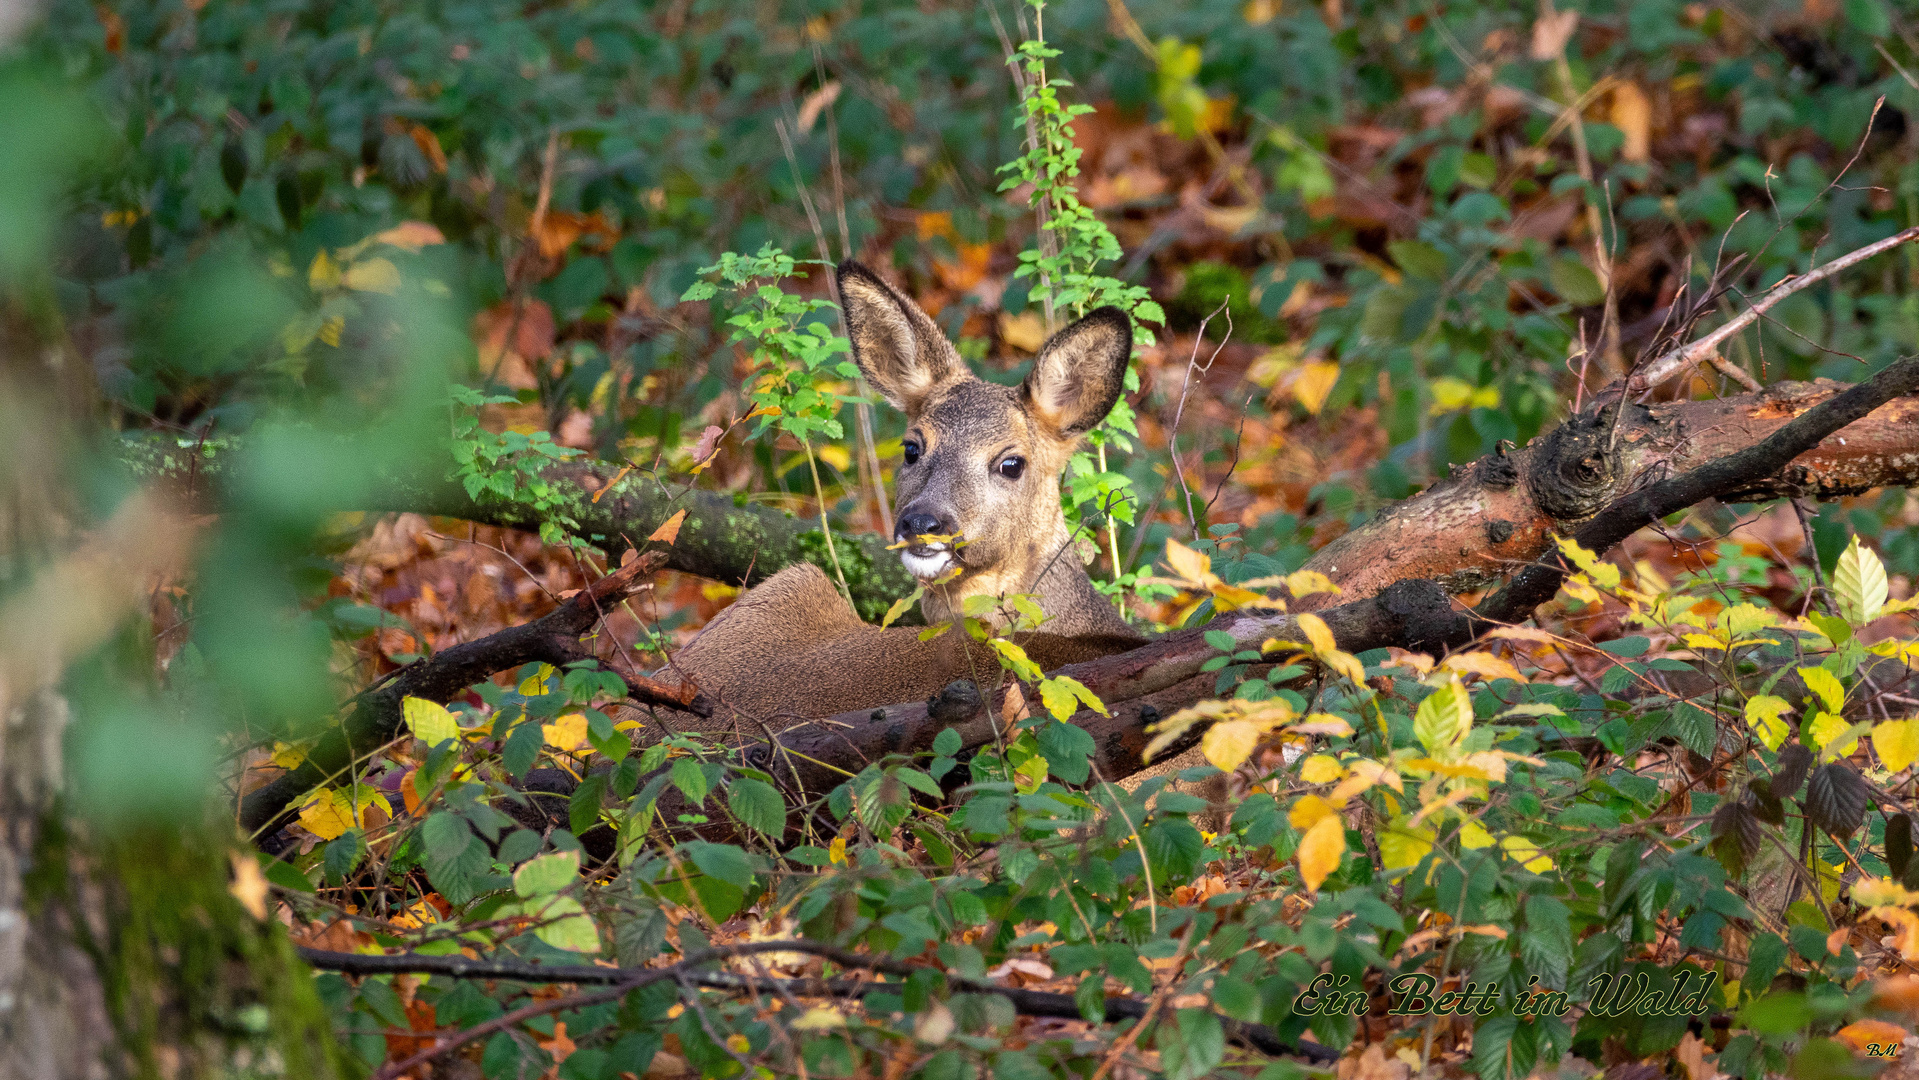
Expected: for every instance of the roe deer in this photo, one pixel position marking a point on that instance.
(981, 462)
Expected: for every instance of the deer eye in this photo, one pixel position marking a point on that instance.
(911, 451)
(1011, 467)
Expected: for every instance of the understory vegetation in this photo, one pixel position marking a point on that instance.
(343, 340)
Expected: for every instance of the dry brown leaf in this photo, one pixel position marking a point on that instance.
(1692, 1057)
(249, 885)
(1551, 31)
(1632, 114)
(816, 103)
(669, 529)
(429, 145)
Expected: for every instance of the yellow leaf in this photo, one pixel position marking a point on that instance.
(1318, 633)
(1763, 712)
(1402, 844)
(1448, 394)
(1905, 929)
(1897, 743)
(836, 851)
(1025, 331)
(1189, 565)
(289, 755)
(326, 814)
(544, 680)
(1581, 590)
(1526, 853)
(1320, 850)
(430, 721)
(1473, 836)
(331, 329)
(1232, 598)
(1014, 659)
(1310, 810)
(324, 274)
(566, 733)
(1376, 773)
(1603, 574)
(1064, 695)
(1320, 769)
(1484, 664)
(819, 1018)
(1320, 723)
(669, 529)
(1826, 685)
(1746, 618)
(1704, 641)
(1882, 892)
(1313, 383)
(835, 455)
(1344, 664)
(1228, 744)
(373, 275)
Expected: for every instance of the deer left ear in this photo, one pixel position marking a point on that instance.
(1080, 371)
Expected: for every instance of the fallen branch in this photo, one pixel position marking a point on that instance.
(378, 712)
(686, 972)
(1681, 359)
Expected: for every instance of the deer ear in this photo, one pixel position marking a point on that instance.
(897, 347)
(1080, 371)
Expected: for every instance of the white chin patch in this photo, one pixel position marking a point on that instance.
(928, 566)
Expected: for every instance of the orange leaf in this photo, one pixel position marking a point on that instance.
(410, 795)
(429, 145)
(669, 530)
(411, 235)
(1872, 1036)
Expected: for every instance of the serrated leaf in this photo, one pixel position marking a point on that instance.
(1605, 575)
(547, 874)
(1697, 728)
(1014, 659)
(1228, 743)
(326, 813)
(564, 924)
(1859, 582)
(1836, 798)
(430, 721)
(901, 606)
(1826, 685)
(946, 743)
(1403, 844)
(1063, 695)
(1443, 718)
(723, 861)
(1897, 743)
(1736, 835)
(759, 804)
(1789, 772)
(1320, 850)
(690, 778)
(1763, 712)
(1321, 769)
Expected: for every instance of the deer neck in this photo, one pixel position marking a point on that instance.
(1049, 570)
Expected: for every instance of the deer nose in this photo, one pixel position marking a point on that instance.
(913, 524)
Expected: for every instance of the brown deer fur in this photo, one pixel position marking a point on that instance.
(792, 648)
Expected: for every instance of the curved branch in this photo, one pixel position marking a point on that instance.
(1028, 1002)
(1685, 356)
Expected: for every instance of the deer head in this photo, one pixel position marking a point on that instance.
(982, 462)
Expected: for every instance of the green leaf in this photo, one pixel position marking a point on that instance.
(1443, 718)
(456, 861)
(1776, 1014)
(690, 778)
(1573, 282)
(1825, 684)
(1418, 259)
(723, 861)
(547, 874)
(287, 877)
(343, 854)
(1068, 750)
(583, 809)
(946, 743)
(569, 927)
(759, 805)
(1696, 728)
(1859, 582)
(430, 721)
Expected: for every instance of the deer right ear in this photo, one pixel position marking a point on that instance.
(897, 347)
